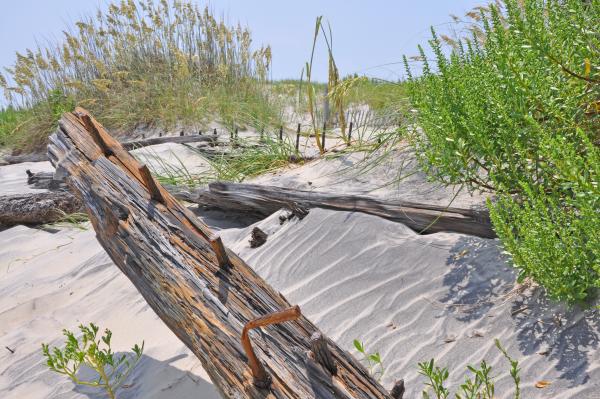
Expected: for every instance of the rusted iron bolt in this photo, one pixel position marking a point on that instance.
(261, 378)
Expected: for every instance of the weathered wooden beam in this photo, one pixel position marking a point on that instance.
(33, 157)
(321, 353)
(166, 253)
(132, 145)
(37, 208)
(221, 253)
(264, 200)
(150, 184)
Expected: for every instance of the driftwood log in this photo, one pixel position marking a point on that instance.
(33, 157)
(203, 292)
(132, 145)
(128, 145)
(37, 208)
(264, 200)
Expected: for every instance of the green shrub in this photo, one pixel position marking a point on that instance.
(515, 110)
(557, 245)
(94, 353)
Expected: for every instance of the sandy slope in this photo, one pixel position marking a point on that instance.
(50, 281)
(392, 177)
(409, 297)
(414, 297)
(13, 178)
(172, 159)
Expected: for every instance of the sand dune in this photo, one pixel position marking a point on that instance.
(357, 276)
(412, 297)
(391, 177)
(50, 281)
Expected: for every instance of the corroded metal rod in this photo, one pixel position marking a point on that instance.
(261, 378)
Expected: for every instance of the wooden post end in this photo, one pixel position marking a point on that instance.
(150, 184)
(321, 352)
(398, 390)
(217, 245)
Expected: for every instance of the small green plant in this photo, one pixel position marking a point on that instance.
(338, 90)
(514, 369)
(94, 353)
(373, 360)
(73, 220)
(437, 377)
(252, 160)
(479, 386)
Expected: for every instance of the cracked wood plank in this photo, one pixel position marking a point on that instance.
(167, 254)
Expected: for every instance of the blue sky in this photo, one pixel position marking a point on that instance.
(366, 33)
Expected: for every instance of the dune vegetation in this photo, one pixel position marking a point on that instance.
(515, 110)
(140, 63)
(508, 109)
(512, 109)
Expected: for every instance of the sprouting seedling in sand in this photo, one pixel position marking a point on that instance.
(93, 353)
(480, 386)
(373, 360)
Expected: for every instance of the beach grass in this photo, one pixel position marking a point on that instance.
(159, 64)
(253, 160)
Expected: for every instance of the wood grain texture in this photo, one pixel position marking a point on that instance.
(132, 145)
(166, 253)
(37, 208)
(264, 200)
(14, 159)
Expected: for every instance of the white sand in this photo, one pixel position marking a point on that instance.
(414, 297)
(355, 275)
(50, 281)
(393, 177)
(409, 297)
(171, 158)
(13, 178)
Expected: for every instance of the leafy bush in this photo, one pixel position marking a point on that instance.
(146, 62)
(93, 353)
(515, 110)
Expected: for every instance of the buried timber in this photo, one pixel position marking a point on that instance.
(203, 292)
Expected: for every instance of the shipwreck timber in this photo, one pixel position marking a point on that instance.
(203, 292)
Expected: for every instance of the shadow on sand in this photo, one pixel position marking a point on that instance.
(478, 280)
(154, 379)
